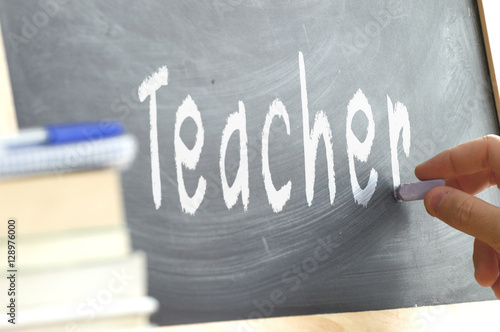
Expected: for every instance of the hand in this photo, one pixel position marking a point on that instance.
(468, 169)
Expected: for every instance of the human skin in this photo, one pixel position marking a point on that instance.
(468, 169)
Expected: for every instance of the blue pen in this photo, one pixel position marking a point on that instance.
(63, 133)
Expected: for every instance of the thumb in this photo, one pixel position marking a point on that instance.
(466, 213)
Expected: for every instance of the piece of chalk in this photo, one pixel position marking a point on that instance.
(417, 190)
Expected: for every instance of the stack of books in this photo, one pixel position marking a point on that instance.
(67, 253)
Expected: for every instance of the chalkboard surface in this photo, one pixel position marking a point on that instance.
(329, 103)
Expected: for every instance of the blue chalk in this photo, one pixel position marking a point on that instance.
(417, 190)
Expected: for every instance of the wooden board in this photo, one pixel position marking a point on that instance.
(488, 11)
(465, 317)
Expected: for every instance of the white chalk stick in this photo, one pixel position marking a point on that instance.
(417, 190)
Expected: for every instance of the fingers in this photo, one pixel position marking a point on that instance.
(473, 183)
(469, 169)
(485, 264)
(466, 213)
(496, 288)
(468, 158)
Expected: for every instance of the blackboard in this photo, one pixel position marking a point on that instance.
(362, 66)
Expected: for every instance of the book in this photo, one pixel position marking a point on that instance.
(116, 151)
(97, 283)
(69, 201)
(119, 314)
(73, 268)
(70, 248)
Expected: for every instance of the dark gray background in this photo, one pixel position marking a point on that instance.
(87, 59)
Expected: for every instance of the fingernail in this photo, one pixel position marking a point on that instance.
(436, 200)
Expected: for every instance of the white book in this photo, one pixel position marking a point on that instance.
(71, 248)
(116, 151)
(115, 315)
(87, 284)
